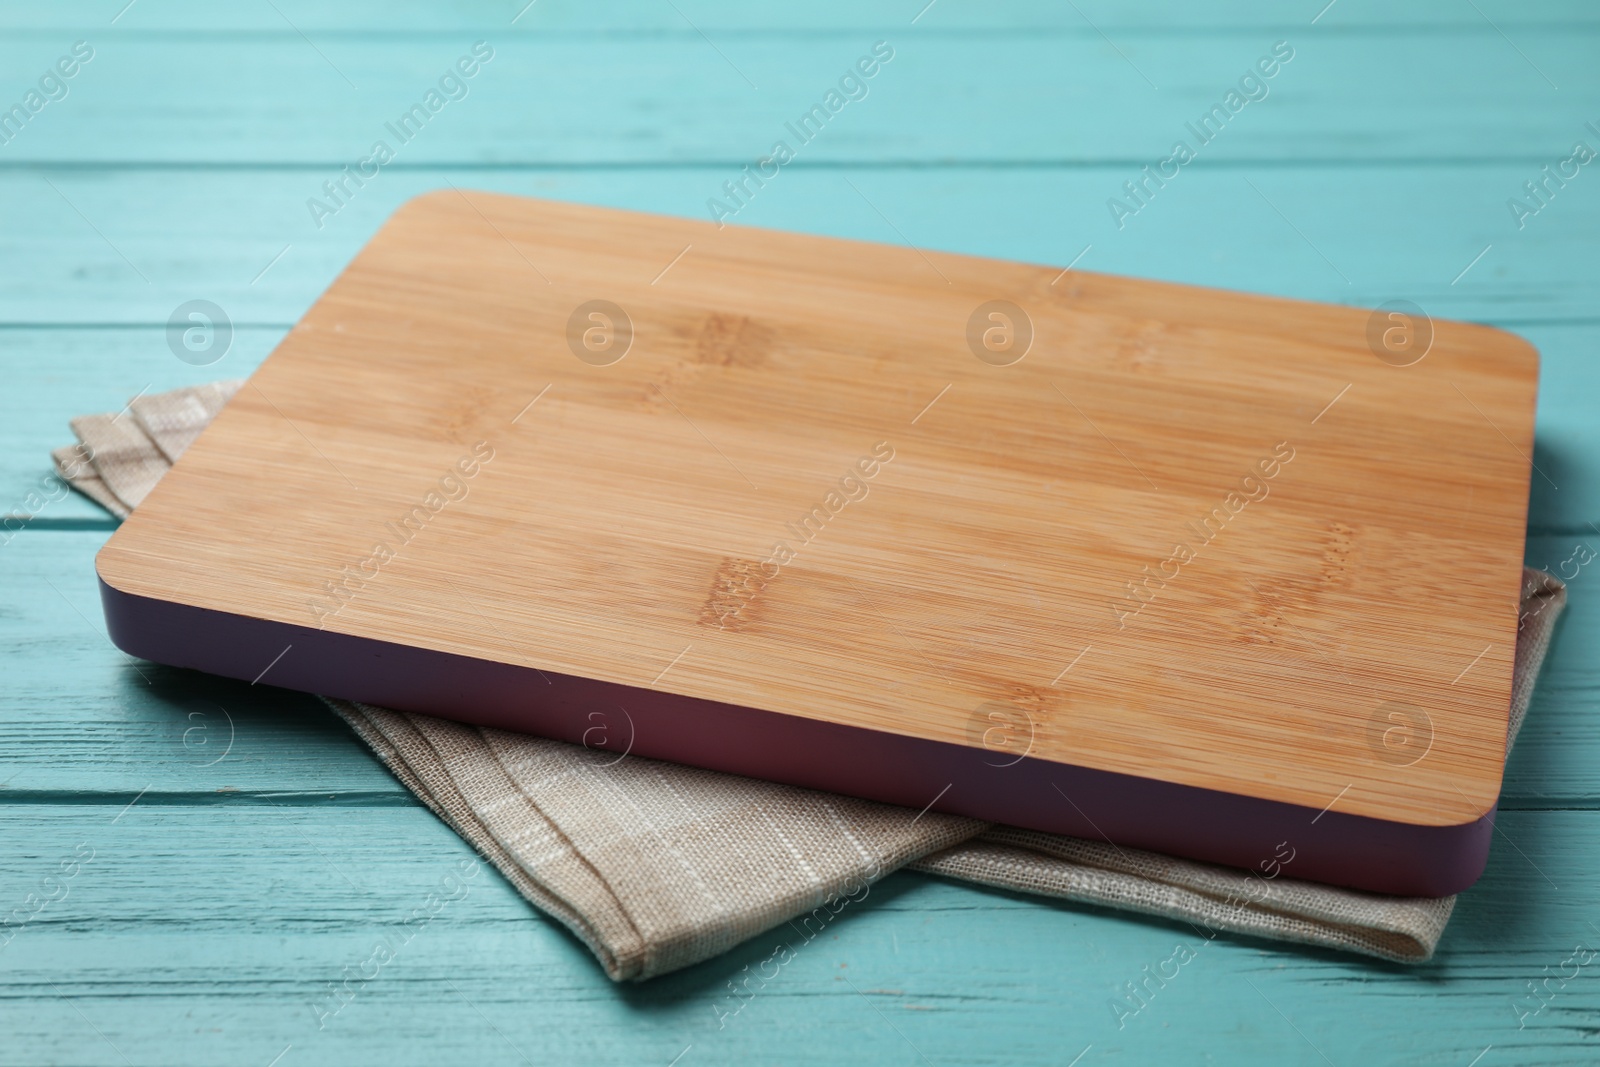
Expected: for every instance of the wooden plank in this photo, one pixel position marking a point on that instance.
(222, 235)
(79, 716)
(206, 935)
(271, 99)
(76, 717)
(376, 18)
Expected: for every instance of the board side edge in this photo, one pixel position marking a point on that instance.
(1356, 851)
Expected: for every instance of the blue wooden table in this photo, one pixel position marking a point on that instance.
(188, 864)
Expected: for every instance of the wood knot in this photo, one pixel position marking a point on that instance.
(733, 341)
(736, 594)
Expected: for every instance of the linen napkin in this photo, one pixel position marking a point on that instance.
(655, 866)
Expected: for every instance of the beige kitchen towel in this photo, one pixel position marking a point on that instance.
(75, 467)
(655, 866)
(133, 448)
(127, 461)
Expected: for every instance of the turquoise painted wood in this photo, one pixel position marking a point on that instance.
(938, 98)
(268, 852)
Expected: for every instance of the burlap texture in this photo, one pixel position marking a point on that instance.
(656, 866)
(74, 465)
(132, 449)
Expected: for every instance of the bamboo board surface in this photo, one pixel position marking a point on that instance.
(1221, 540)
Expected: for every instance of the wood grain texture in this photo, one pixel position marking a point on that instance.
(762, 479)
(208, 934)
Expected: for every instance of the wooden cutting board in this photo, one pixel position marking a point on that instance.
(1187, 569)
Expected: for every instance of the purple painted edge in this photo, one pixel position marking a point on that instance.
(1202, 824)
